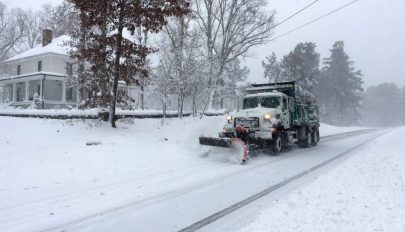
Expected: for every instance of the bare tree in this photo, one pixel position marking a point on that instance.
(12, 29)
(32, 31)
(62, 19)
(231, 28)
(180, 60)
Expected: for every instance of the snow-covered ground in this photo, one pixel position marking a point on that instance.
(50, 177)
(326, 130)
(364, 193)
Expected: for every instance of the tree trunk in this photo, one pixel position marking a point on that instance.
(102, 73)
(117, 70)
(164, 104)
(141, 78)
(195, 102)
(142, 97)
(81, 76)
(182, 106)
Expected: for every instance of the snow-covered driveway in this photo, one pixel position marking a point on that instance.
(143, 177)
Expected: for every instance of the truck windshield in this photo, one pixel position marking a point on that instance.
(251, 102)
(266, 102)
(270, 102)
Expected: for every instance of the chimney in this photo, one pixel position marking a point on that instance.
(46, 37)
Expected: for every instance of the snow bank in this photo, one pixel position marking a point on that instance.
(365, 193)
(326, 129)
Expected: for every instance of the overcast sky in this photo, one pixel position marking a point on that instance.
(373, 32)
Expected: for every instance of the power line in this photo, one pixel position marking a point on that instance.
(278, 24)
(323, 16)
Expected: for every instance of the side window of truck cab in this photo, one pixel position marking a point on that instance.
(285, 104)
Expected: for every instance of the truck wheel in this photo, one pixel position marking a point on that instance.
(308, 140)
(315, 137)
(278, 143)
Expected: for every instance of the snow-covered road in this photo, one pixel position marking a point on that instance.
(193, 204)
(142, 178)
(364, 192)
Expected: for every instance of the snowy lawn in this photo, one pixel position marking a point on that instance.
(364, 193)
(41, 157)
(49, 176)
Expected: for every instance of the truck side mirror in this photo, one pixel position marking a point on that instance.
(291, 103)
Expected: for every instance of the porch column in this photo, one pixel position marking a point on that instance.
(27, 90)
(41, 81)
(63, 91)
(41, 93)
(14, 91)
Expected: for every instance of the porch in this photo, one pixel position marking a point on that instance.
(38, 90)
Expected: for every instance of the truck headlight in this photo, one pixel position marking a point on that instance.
(268, 116)
(229, 118)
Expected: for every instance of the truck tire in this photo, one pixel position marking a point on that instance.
(277, 145)
(315, 137)
(308, 140)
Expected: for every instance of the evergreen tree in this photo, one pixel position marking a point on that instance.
(339, 90)
(234, 74)
(272, 68)
(302, 66)
(380, 105)
(402, 107)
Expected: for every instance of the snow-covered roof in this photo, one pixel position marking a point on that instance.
(57, 46)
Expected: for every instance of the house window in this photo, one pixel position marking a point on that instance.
(53, 90)
(18, 69)
(8, 93)
(34, 88)
(71, 94)
(39, 66)
(20, 91)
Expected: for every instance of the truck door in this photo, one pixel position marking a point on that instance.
(286, 114)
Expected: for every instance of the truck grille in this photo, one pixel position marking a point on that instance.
(251, 122)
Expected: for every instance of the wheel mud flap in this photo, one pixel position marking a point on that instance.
(216, 142)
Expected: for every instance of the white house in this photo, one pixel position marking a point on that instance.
(39, 75)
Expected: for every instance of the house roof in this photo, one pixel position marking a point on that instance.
(57, 46)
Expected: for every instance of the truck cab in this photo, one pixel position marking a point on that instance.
(261, 114)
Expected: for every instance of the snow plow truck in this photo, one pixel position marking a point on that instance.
(272, 117)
